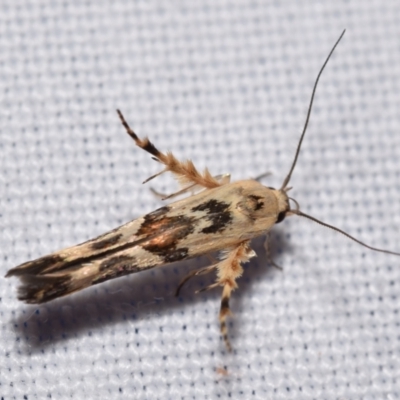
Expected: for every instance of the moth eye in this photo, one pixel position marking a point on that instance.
(281, 217)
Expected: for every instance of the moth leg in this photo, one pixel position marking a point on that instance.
(229, 269)
(193, 188)
(223, 179)
(207, 288)
(225, 312)
(185, 171)
(258, 178)
(158, 194)
(268, 252)
(196, 272)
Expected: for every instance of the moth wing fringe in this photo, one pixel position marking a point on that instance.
(37, 286)
(36, 289)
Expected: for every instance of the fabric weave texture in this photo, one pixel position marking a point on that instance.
(226, 84)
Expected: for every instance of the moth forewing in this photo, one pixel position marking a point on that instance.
(206, 222)
(222, 217)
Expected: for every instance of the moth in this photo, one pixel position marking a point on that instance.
(218, 216)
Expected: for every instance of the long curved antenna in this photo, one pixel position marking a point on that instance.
(287, 179)
(298, 212)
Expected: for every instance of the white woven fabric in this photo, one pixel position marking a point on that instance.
(227, 84)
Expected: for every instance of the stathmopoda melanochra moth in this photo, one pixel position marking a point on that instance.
(219, 216)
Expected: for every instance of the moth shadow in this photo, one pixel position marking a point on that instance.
(145, 295)
(258, 269)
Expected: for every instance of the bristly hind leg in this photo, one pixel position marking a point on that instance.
(260, 177)
(185, 171)
(229, 269)
(193, 188)
(197, 272)
(225, 312)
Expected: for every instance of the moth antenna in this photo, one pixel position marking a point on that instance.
(298, 212)
(289, 175)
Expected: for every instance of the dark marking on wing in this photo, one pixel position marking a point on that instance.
(250, 205)
(39, 289)
(218, 213)
(157, 214)
(121, 271)
(54, 276)
(105, 243)
(171, 231)
(219, 223)
(100, 237)
(36, 267)
(164, 234)
(56, 263)
(118, 266)
(176, 255)
(116, 261)
(258, 203)
(155, 222)
(212, 206)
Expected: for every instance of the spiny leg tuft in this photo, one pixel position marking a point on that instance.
(184, 171)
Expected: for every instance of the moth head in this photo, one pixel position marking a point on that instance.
(283, 203)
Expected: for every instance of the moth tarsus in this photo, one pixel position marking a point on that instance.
(219, 217)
